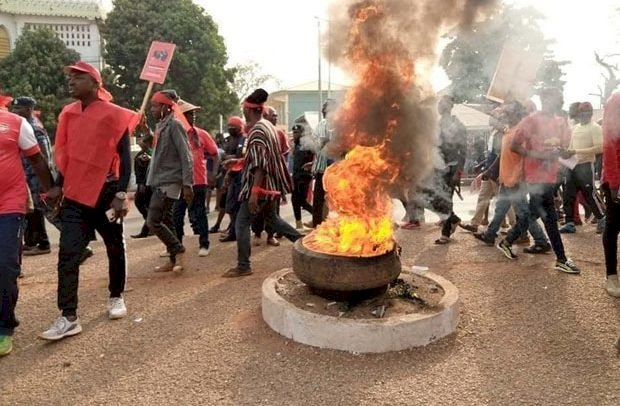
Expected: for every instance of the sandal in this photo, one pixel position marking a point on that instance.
(443, 240)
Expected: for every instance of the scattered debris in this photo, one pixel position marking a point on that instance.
(419, 268)
(378, 311)
(138, 320)
(330, 304)
(310, 304)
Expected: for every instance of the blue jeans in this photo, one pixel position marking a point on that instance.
(516, 197)
(542, 204)
(244, 222)
(197, 216)
(11, 228)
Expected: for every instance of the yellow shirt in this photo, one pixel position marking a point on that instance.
(587, 141)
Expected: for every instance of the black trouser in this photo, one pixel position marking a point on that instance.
(35, 233)
(542, 205)
(439, 199)
(78, 223)
(142, 200)
(160, 222)
(580, 179)
(610, 234)
(260, 221)
(318, 201)
(11, 237)
(299, 196)
(197, 216)
(232, 201)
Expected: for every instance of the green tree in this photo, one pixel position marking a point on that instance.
(248, 77)
(197, 71)
(35, 68)
(471, 57)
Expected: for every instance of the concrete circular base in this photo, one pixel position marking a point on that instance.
(360, 336)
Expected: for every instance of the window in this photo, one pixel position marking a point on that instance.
(88, 43)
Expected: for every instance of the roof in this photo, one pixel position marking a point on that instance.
(90, 9)
(471, 118)
(314, 87)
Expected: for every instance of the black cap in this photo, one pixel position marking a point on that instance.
(298, 127)
(24, 101)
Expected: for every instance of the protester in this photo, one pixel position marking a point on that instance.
(170, 174)
(271, 114)
(92, 138)
(302, 178)
(488, 178)
(16, 139)
(541, 139)
(234, 149)
(142, 197)
(610, 185)
(586, 142)
(36, 241)
(322, 136)
(512, 190)
(201, 145)
(265, 178)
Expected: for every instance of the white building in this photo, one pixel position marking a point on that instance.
(73, 21)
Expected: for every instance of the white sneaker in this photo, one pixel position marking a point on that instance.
(613, 286)
(204, 252)
(62, 328)
(116, 308)
(164, 254)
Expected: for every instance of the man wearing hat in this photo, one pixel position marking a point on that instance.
(201, 145)
(35, 234)
(92, 155)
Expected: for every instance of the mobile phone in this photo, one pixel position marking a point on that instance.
(110, 215)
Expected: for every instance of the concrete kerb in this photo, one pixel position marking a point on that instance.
(360, 336)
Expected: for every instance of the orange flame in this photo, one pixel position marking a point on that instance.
(360, 222)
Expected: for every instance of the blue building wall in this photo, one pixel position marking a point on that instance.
(300, 102)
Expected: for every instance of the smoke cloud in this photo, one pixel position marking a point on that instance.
(390, 48)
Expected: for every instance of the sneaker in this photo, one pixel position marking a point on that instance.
(179, 263)
(600, 225)
(537, 249)
(164, 254)
(37, 251)
(87, 253)
(116, 308)
(6, 345)
(204, 252)
(236, 272)
(506, 249)
(484, 238)
(62, 328)
(567, 266)
(214, 229)
(569, 228)
(612, 286)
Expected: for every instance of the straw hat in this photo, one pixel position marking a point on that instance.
(187, 106)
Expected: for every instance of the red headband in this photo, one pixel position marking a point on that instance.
(251, 105)
(163, 98)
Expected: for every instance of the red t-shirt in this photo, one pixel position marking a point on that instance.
(540, 132)
(207, 146)
(611, 142)
(283, 142)
(16, 136)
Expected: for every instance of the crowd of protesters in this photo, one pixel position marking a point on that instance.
(540, 165)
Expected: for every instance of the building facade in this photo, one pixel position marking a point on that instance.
(75, 22)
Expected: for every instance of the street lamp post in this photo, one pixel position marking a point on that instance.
(318, 21)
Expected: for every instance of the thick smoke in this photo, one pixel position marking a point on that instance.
(390, 47)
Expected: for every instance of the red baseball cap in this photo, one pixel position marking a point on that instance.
(85, 68)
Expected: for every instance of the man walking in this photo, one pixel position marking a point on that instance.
(301, 176)
(170, 174)
(265, 178)
(541, 139)
(16, 139)
(93, 139)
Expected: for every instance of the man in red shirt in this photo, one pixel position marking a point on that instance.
(611, 185)
(16, 138)
(542, 138)
(201, 145)
(92, 154)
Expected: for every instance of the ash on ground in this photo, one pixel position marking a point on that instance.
(409, 294)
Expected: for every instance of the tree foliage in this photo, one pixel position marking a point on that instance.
(35, 68)
(197, 71)
(249, 77)
(471, 57)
